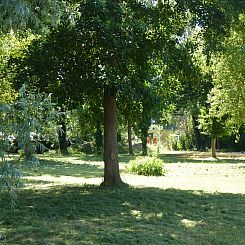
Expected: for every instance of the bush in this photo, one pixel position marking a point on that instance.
(149, 166)
(185, 142)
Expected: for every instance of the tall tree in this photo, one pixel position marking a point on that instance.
(99, 44)
(212, 125)
(226, 99)
(229, 76)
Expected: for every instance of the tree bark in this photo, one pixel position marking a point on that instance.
(197, 134)
(145, 125)
(144, 133)
(213, 147)
(218, 143)
(98, 137)
(63, 144)
(28, 150)
(111, 165)
(130, 145)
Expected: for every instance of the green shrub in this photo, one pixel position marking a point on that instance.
(185, 142)
(149, 166)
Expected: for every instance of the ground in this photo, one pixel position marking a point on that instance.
(185, 171)
(200, 201)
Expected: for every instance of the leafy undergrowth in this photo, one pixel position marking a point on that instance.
(95, 215)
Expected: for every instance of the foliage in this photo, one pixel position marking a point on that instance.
(27, 120)
(211, 125)
(10, 180)
(213, 120)
(29, 14)
(186, 142)
(34, 120)
(7, 92)
(182, 143)
(226, 99)
(229, 77)
(198, 46)
(149, 166)
(11, 44)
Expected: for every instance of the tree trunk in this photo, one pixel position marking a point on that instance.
(130, 145)
(218, 143)
(62, 137)
(28, 150)
(213, 147)
(197, 134)
(145, 124)
(111, 165)
(98, 138)
(144, 133)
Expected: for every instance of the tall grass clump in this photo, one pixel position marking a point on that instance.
(148, 166)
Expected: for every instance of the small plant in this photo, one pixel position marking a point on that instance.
(149, 166)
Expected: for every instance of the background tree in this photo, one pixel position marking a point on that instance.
(229, 76)
(226, 99)
(212, 125)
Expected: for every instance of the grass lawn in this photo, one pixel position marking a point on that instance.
(193, 204)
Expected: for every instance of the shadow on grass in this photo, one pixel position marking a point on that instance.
(60, 168)
(188, 158)
(78, 156)
(95, 215)
(63, 166)
(36, 182)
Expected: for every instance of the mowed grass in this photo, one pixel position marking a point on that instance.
(90, 214)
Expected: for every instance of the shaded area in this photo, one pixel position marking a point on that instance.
(94, 215)
(80, 156)
(198, 158)
(86, 166)
(58, 168)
